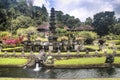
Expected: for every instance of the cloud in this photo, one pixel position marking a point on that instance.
(41, 2)
(83, 9)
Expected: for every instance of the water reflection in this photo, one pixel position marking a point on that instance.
(60, 73)
(108, 72)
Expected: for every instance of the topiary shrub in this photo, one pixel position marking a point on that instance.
(4, 35)
(89, 41)
(16, 49)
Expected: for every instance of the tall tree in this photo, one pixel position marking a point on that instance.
(102, 21)
(4, 13)
(115, 29)
(118, 20)
(44, 14)
(88, 21)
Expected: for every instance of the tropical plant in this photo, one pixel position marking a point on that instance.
(89, 36)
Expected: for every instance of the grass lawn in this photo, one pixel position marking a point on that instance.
(5, 49)
(81, 61)
(115, 41)
(9, 79)
(117, 60)
(92, 47)
(13, 61)
(85, 61)
(18, 53)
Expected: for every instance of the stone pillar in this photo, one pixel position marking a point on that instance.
(23, 53)
(50, 47)
(114, 52)
(58, 52)
(31, 52)
(65, 47)
(49, 52)
(96, 52)
(105, 52)
(68, 52)
(78, 52)
(14, 53)
(5, 53)
(76, 46)
(87, 52)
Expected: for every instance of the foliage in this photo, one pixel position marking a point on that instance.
(63, 38)
(25, 31)
(88, 21)
(111, 37)
(32, 31)
(12, 49)
(13, 42)
(66, 20)
(117, 60)
(117, 42)
(115, 29)
(102, 22)
(89, 36)
(21, 22)
(13, 61)
(91, 47)
(42, 39)
(21, 13)
(4, 35)
(61, 32)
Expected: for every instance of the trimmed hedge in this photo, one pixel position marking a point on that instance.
(16, 49)
(13, 61)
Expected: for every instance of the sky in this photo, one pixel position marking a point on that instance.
(81, 9)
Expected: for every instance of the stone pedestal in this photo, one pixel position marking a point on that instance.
(50, 47)
(14, 52)
(78, 52)
(58, 52)
(65, 47)
(76, 47)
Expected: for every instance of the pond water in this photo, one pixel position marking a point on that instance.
(60, 73)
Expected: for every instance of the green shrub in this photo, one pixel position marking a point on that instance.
(25, 31)
(91, 48)
(16, 49)
(117, 42)
(111, 37)
(89, 36)
(4, 34)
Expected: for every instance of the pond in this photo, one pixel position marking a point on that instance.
(60, 73)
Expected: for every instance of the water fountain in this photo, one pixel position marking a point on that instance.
(37, 65)
(37, 68)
